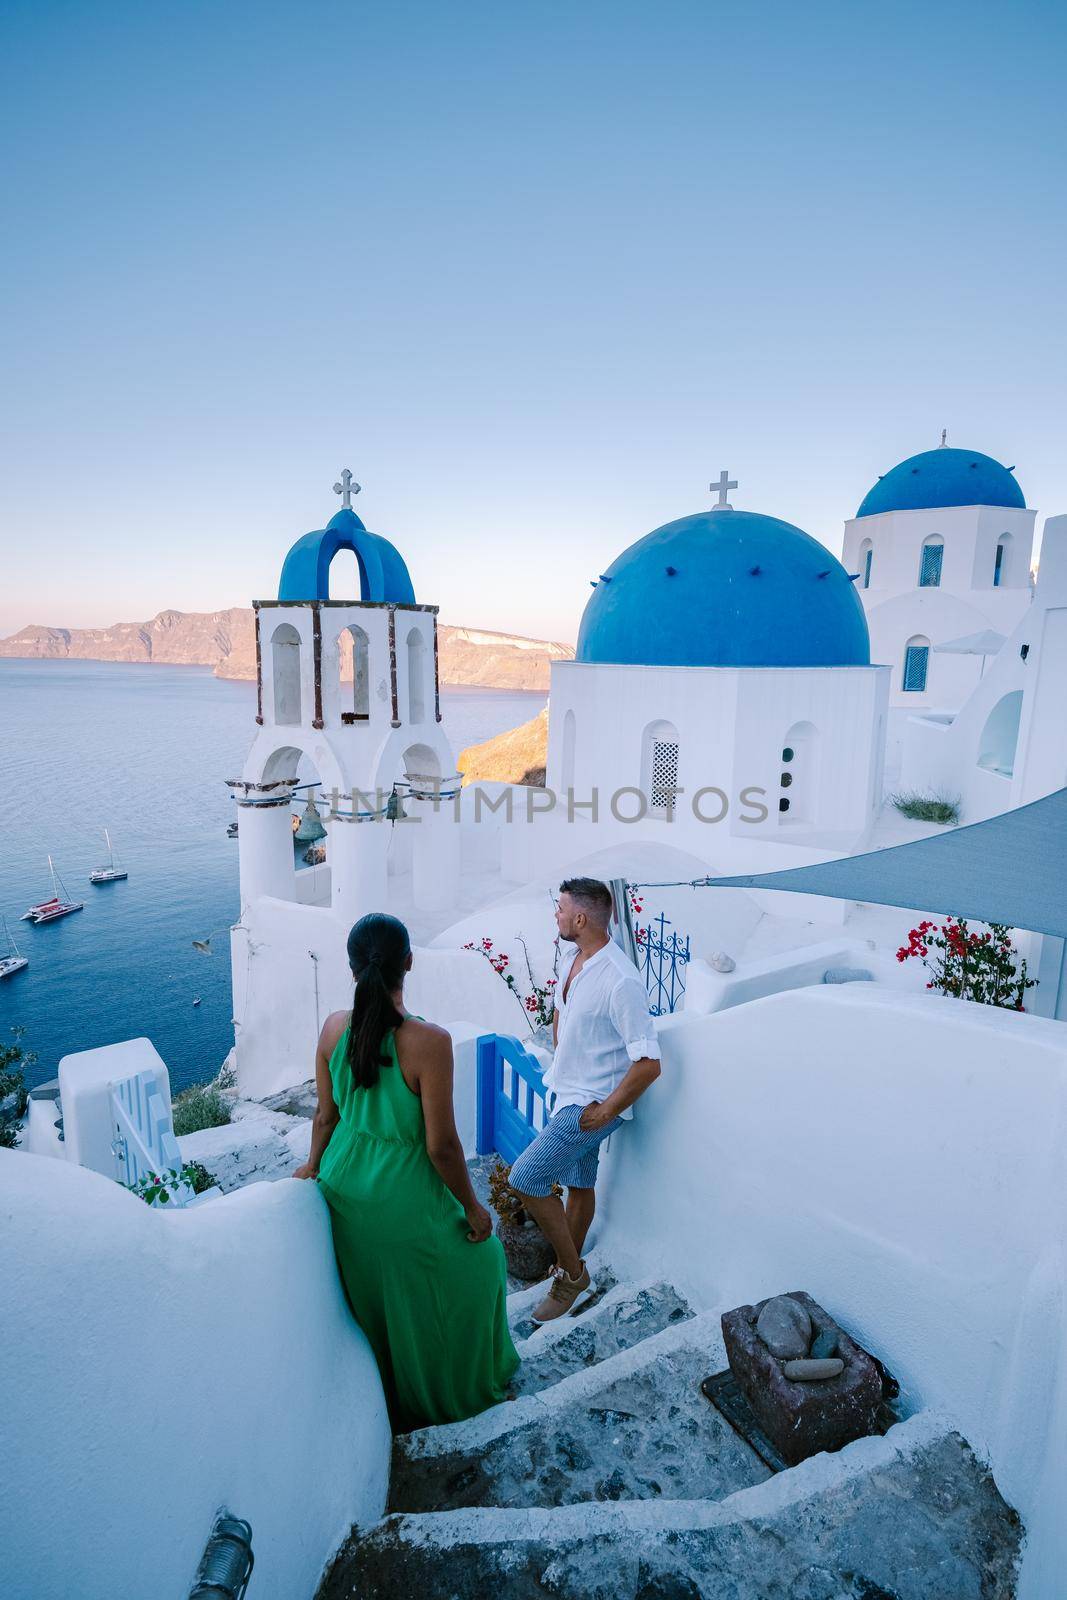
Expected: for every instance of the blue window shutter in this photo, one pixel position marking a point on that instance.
(998, 566)
(930, 570)
(867, 569)
(916, 657)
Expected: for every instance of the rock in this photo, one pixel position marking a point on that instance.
(824, 1344)
(811, 1371)
(785, 1327)
(800, 1419)
(719, 961)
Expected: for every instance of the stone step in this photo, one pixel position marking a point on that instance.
(911, 1516)
(634, 1427)
(619, 1319)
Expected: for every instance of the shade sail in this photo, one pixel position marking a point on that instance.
(1011, 868)
(986, 643)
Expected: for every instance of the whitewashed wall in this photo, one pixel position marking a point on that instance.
(903, 1158)
(290, 970)
(964, 602)
(731, 726)
(163, 1366)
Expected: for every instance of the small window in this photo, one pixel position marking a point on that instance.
(783, 804)
(787, 753)
(930, 569)
(867, 560)
(664, 774)
(916, 657)
(787, 779)
(998, 567)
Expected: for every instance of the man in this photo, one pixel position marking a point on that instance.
(606, 1057)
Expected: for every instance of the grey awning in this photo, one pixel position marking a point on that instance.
(1011, 868)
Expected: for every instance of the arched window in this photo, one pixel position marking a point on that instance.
(866, 562)
(933, 554)
(659, 767)
(1000, 560)
(285, 667)
(916, 662)
(797, 779)
(996, 748)
(416, 676)
(360, 673)
(570, 729)
(422, 769)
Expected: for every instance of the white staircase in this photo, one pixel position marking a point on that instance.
(610, 1475)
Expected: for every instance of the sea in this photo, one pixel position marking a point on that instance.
(143, 751)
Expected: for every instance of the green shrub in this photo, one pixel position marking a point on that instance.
(941, 808)
(196, 1173)
(13, 1099)
(201, 1106)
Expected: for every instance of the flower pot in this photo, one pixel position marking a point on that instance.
(528, 1253)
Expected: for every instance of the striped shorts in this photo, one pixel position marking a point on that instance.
(562, 1153)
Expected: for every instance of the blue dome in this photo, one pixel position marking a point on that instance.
(943, 477)
(383, 575)
(725, 589)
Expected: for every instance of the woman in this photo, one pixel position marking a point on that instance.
(423, 1273)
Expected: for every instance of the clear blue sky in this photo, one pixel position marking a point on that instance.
(535, 271)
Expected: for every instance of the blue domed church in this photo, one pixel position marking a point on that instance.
(723, 690)
(942, 545)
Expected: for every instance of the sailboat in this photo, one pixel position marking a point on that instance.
(110, 873)
(60, 905)
(14, 960)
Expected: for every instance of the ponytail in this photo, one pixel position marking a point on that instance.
(378, 951)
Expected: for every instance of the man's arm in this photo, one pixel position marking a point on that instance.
(628, 1009)
(641, 1076)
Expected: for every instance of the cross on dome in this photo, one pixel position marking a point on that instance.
(724, 485)
(346, 489)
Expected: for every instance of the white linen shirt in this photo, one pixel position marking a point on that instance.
(604, 1026)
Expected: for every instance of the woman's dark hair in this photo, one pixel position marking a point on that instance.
(378, 950)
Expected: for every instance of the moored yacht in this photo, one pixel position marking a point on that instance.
(60, 905)
(111, 873)
(12, 960)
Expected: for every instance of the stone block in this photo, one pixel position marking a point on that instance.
(800, 1419)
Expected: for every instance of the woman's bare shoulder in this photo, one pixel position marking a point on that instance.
(332, 1029)
(424, 1041)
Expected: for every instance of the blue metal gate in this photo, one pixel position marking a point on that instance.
(511, 1096)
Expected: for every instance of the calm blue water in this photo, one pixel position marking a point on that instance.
(144, 751)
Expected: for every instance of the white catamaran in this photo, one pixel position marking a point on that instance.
(111, 873)
(13, 960)
(60, 905)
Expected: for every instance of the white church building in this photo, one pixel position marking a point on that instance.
(941, 549)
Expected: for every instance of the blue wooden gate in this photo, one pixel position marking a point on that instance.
(511, 1096)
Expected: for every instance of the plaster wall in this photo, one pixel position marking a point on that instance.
(290, 970)
(901, 1157)
(169, 1365)
(956, 753)
(731, 727)
(964, 602)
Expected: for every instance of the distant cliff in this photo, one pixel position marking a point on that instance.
(225, 641)
(519, 755)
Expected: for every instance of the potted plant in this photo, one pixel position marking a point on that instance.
(528, 1253)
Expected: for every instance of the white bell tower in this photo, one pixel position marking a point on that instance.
(352, 687)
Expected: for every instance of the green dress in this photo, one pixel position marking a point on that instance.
(432, 1304)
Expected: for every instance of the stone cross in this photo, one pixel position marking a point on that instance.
(346, 489)
(724, 485)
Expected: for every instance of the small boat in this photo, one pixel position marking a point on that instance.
(60, 905)
(196, 1000)
(110, 873)
(13, 960)
(231, 831)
